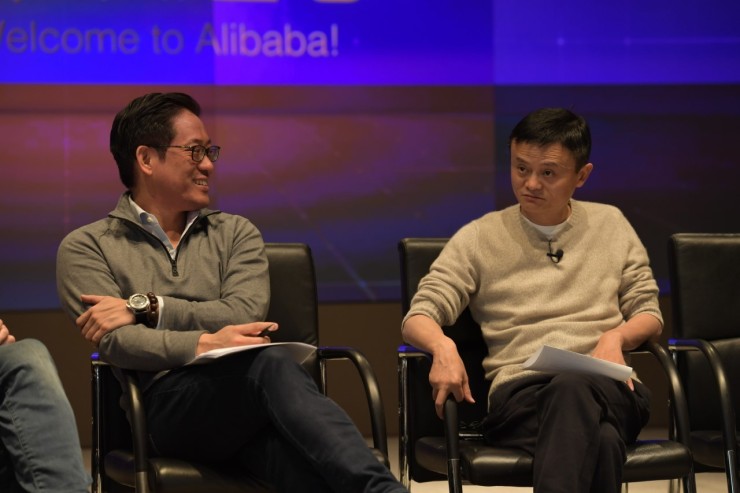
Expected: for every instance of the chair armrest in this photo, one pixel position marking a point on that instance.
(450, 421)
(372, 391)
(676, 392)
(720, 377)
(409, 350)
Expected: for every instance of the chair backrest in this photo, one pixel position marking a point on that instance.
(293, 297)
(704, 273)
(416, 256)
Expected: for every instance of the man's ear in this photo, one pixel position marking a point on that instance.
(145, 155)
(583, 174)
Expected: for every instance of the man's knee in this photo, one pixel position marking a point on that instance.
(273, 357)
(28, 353)
(569, 386)
(276, 362)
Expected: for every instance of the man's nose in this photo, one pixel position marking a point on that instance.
(206, 164)
(532, 182)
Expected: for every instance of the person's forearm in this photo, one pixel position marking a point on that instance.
(137, 348)
(426, 334)
(640, 328)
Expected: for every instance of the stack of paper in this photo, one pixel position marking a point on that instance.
(299, 351)
(554, 360)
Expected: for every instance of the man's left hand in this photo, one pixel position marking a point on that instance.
(609, 348)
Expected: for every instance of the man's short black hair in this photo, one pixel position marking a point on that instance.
(147, 120)
(556, 126)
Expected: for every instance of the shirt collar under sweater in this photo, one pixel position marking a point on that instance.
(150, 223)
(549, 231)
(538, 239)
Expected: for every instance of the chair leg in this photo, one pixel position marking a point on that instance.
(452, 441)
(95, 458)
(731, 471)
(403, 437)
(674, 486)
(625, 488)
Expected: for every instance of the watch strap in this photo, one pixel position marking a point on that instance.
(141, 317)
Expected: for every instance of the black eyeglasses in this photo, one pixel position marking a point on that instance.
(199, 152)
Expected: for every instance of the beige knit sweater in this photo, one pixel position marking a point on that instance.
(498, 265)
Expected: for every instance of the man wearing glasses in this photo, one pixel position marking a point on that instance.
(163, 279)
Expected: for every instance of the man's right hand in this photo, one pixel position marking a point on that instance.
(236, 335)
(5, 336)
(448, 376)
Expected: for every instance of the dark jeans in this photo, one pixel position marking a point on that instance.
(262, 410)
(39, 446)
(575, 426)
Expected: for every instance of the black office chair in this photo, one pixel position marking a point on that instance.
(121, 460)
(430, 449)
(704, 272)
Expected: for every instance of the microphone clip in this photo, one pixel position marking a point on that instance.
(555, 256)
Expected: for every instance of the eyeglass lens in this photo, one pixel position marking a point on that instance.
(200, 152)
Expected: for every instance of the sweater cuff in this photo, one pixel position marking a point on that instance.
(428, 309)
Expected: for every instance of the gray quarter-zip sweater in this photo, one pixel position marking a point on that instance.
(218, 277)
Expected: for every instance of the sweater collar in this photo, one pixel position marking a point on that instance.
(533, 231)
(124, 210)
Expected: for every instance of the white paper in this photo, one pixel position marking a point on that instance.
(550, 359)
(299, 351)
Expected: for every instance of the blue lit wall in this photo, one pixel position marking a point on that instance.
(246, 42)
(361, 42)
(351, 124)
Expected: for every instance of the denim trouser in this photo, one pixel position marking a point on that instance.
(261, 410)
(40, 449)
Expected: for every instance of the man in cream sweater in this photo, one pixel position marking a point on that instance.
(549, 270)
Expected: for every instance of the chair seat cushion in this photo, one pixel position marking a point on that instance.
(175, 476)
(708, 448)
(481, 464)
(650, 460)
(119, 466)
(484, 465)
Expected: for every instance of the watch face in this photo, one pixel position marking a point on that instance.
(138, 302)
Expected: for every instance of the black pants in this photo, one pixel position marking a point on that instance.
(575, 426)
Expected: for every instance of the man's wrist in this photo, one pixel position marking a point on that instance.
(138, 304)
(614, 336)
(443, 346)
(204, 344)
(152, 314)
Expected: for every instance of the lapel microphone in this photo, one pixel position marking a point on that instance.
(554, 256)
